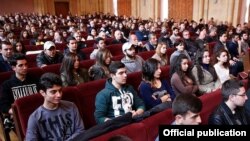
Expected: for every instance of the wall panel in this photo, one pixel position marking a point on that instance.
(181, 9)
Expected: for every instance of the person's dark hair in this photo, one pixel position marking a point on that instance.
(176, 67)
(149, 68)
(119, 138)
(178, 42)
(230, 87)
(5, 43)
(199, 63)
(186, 102)
(48, 80)
(17, 56)
(67, 68)
(101, 55)
(70, 38)
(23, 47)
(218, 53)
(114, 66)
(98, 39)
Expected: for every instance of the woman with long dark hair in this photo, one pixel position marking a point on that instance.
(204, 73)
(153, 89)
(101, 68)
(71, 72)
(182, 79)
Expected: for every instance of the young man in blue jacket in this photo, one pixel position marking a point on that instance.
(117, 98)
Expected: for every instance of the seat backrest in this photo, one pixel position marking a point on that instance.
(152, 123)
(22, 108)
(87, 51)
(86, 96)
(87, 63)
(31, 59)
(54, 68)
(146, 54)
(131, 131)
(210, 102)
(115, 49)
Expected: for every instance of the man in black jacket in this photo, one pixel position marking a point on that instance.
(49, 56)
(231, 110)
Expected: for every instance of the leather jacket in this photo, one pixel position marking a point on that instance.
(224, 116)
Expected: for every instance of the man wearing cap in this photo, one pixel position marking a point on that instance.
(132, 61)
(49, 55)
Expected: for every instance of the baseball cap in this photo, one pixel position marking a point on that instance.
(126, 46)
(48, 45)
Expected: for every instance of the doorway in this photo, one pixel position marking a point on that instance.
(62, 8)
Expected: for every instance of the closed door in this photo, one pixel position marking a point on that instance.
(62, 8)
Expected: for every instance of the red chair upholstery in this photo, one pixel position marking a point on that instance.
(169, 52)
(211, 48)
(54, 68)
(134, 79)
(152, 123)
(115, 49)
(134, 131)
(90, 43)
(22, 109)
(86, 96)
(61, 47)
(87, 63)
(87, 51)
(165, 73)
(146, 54)
(210, 102)
(31, 58)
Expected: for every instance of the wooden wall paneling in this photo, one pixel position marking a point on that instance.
(124, 7)
(181, 9)
(62, 8)
(108, 6)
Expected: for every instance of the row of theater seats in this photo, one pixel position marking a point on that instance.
(84, 95)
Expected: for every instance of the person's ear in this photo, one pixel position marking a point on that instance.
(42, 92)
(178, 119)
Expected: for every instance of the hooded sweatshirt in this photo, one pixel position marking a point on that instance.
(111, 102)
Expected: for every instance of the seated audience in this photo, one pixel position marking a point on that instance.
(236, 66)
(6, 53)
(73, 48)
(49, 55)
(100, 69)
(117, 98)
(100, 44)
(154, 90)
(231, 110)
(56, 119)
(71, 73)
(180, 49)
(186, 109)
(119, 39)
(182, 79)
(205, 74)
(161, 53)
(221, 65)
(132, 61)
(152, 42)
(19, 85)
(19, 47)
